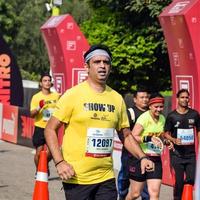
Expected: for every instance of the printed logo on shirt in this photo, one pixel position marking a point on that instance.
(191, 121)
(99, 107)
(104, 117)
(177, 124)
(50, 101)
(95, 116)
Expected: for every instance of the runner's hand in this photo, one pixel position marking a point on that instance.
(41, 105)
(65, 170)
(177, 141)
(146, 165)
(169, 145)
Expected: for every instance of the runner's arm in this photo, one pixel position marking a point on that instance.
(131, 144)
(51, 138)
(137, 129)
(34, 112)
(64, 169)
(168, 136)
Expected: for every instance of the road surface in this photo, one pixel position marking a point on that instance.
(17, 175)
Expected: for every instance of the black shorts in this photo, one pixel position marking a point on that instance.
(100, 191)
(38, 137)
(135, 170)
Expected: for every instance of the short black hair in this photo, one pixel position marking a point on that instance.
(154, 95)
(45, 74)
(182, 91)
(141, 89)
(98, 46)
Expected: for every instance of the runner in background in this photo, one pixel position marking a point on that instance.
(91, 112)
(140, 100)
(41, 108)
(148, 132)
(180, 130)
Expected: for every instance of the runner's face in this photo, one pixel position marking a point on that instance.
(46, 82)
(156, 109)
(99, 69)
(183, 99)
(141, 100)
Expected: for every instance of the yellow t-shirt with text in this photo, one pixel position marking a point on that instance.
(91, 119)
(45, 113)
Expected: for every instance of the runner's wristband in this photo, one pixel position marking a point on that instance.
(144, 157)
(58, 163)
(146, 139)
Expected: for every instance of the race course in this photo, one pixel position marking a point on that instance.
(17, 175)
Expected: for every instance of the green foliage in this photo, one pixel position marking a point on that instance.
(129, 27)
(20, 23)
(136, 41)
(31, 52)
(166, 93)
(9, 21)
(77, 8)
(29, 76)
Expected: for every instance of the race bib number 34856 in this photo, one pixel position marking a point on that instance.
(99, 142)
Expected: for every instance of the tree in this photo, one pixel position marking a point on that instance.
(129, 27)
(9, 20)
(132, 31)
(30, 48)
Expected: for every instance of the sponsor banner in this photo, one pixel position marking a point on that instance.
(1, 119)
(10, 123)
(168, 177)
(181, 27)
(25, 127)
(66, 46)
(11, 89)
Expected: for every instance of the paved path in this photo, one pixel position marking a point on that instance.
(17, 175)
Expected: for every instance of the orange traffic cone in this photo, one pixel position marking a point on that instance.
(187, 192)
(41, 191)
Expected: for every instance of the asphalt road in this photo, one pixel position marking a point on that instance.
(17, 175)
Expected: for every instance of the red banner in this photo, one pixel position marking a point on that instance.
(180, 22)
(66, 45)
(11, 90)
(10, 123)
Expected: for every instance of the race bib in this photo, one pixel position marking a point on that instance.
(47, 113)
(186, 136)
(153, 150)
(99, 142)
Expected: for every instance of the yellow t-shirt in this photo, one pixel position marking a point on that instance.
(91, 119)
(45, 113)
(150, 128)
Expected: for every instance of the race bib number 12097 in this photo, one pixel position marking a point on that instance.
(99, 142)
